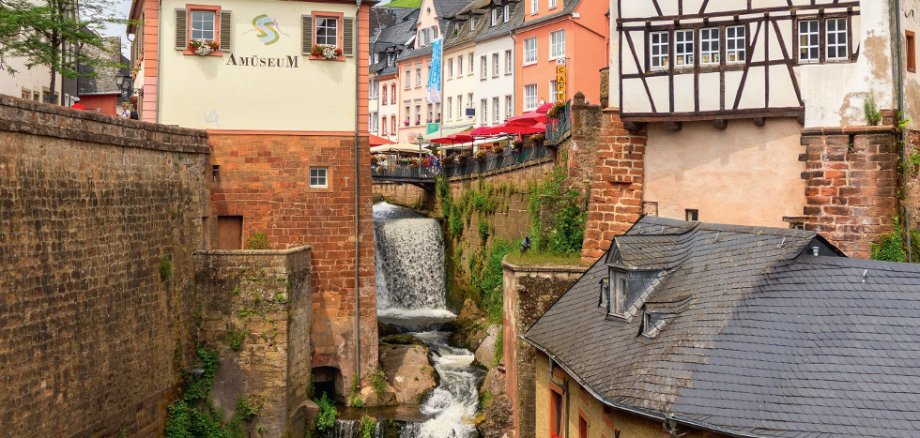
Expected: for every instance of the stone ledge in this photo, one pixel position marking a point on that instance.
(499, 171)
(255, 252)
(545, 268)
(850, 130)
(27, 117)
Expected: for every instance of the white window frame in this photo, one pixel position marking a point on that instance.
(320, 20)
(418, 77)
(471, 59)
(534, 7)
(557, 45)
(450, 68)
(495, 16)
(509, 62)
(460, 113)
(496, 111)
(809, 40)
(407, 83)
(553, 91)
(472, 23)
(319, 178)
(460, 66)
(659, 50)
(530, 97)
(735, 44)
(198, 25)
(618, 284)
(509, 105)
(483, 67)
(450, 108)
(506, 13)
(483, 111)
(530, 51)
(684, 50)
(496, 65)
(710, 46)
(838, 34)
(552, 4)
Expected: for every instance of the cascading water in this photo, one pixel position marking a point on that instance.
(353, 429)
(411, 294)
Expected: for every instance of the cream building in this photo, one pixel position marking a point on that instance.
(495, 43)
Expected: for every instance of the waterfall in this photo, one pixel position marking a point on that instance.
(411, 294)
(409, 263)
(353, 429)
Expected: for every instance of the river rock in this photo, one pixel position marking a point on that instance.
(494, 383)
(469, 326)
(497, 420)
(408, 370)
(485, 354)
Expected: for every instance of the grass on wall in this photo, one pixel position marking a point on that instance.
(414, 4)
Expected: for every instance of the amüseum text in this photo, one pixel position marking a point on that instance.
(256, 61)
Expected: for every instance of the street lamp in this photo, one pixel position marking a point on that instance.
(420, 140)
(126, 84)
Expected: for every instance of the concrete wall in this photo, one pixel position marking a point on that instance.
(744, 174)
(529, 291)
(265, 179)
(93, 209)
(261, 298)
(602, 421)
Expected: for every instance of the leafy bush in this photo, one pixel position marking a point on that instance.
(870, 110)
(368, 424)
(166, 267)
(892, 248)
(327, 414)
(257, 241)
(379, 382)
(235, 338)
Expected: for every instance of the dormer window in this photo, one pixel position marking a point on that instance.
(613, 290)
(472, 23)
(495, 16)
(506, 13)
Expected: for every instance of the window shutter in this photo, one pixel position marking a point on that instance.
(307, 34)
(225, 35)
(348, 36)
(181, 30)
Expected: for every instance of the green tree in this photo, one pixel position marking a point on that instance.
(54, 34)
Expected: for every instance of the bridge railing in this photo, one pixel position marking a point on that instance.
(405, 172)
(559, 127)
(414, 173)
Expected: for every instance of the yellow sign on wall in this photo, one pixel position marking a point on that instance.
(561, 83)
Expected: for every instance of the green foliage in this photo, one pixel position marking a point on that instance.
(487, 275)
(485, 229)
(327, 414)
(411, 4)
(485, 399)
(455, 223)
(368, 424)
(566, 237)
(193, 415)
(871, 112)
(353, 397)
(257, 241)
(379, 382)
(280, 298)
(166, 267)
(235, 338)
(893, 248)
(499, 347)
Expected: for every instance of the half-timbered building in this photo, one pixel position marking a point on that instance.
(765, 112)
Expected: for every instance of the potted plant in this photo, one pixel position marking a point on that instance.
(406, 122)
(448, 160)
(461, 159)
(555, 110)
(203, 47)
(375, 160)
(517, 144)
(538, 138)
(322, 51)
(480, 155)
(498, 149)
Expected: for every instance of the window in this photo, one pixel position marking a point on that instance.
(418, 115)
(530, 51)
(203, 25)
(910, 47)
(837, 45)
(407, 79)
(459, 106)
(483, 68)
(692, 215)
(534, 6)
(496, 111)
(327, 31)
(552, 4)
(472, 23)
(430, 114)
(469, 99)
(460, 65)
(506, 13)
(582, 427)
(557, 45)
(659, 42)
(530, 97)
(383, 126)
(372, 121)
(553, 91)
(384, 95)
(450, 68)
(495, 16)
(418, 77)
(392, 125)
(215, 173)
(809, 41)
(619, 285)
(710, 50)
(683, 48)
(393, 94)
(319, 178)
(508, 106)
(450, 108)
(483, 111)
(495, 65)
(373, 89)
(509, 62)
(26, 94)
(556, 409)
(470, 70)
(736, 44)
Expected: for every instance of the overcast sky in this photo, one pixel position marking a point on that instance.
(124, 7)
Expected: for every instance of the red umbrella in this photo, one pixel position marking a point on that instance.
(521, 130)
(379, 141)
(485, 131)
(454, 139)
(527, 119)
(543, 109)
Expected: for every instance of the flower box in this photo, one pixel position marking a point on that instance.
(325, 53)
(203, 47)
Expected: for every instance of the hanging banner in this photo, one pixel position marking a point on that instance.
(434, 79)
(561, 85)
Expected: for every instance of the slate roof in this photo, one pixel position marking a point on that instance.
(759, 338)
(503, 29)
(567, 8)
(392, 37)
(103, 79)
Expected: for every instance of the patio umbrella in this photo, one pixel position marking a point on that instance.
(543, 109)
(453, 139)
(485, 131)
(521, 130)
(527, 119)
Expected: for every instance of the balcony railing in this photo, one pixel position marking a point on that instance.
(559, 128)
(415, 173)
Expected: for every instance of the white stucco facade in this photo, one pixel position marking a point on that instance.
(461, 88)
(27, 83)
(498, 88)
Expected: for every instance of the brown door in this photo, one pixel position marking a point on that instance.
(229, 232)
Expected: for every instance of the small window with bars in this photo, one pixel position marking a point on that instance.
(710, 46)
(660, 50)
(809, 41)
(736, 44)
(683, 48)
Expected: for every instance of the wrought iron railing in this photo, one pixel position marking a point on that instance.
(558, 128)
(508, 158)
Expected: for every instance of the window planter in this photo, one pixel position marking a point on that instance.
(326, 53)
(203, 48)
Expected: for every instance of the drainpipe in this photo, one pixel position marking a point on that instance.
(902, 132)
(357, 42)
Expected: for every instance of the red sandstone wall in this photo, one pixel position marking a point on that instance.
(265, 179)
(851, 184)
(616, 185)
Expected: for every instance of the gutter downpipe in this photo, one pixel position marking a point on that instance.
(358, 191)
(901, 130)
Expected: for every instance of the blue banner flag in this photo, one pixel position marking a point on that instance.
(434, 79)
